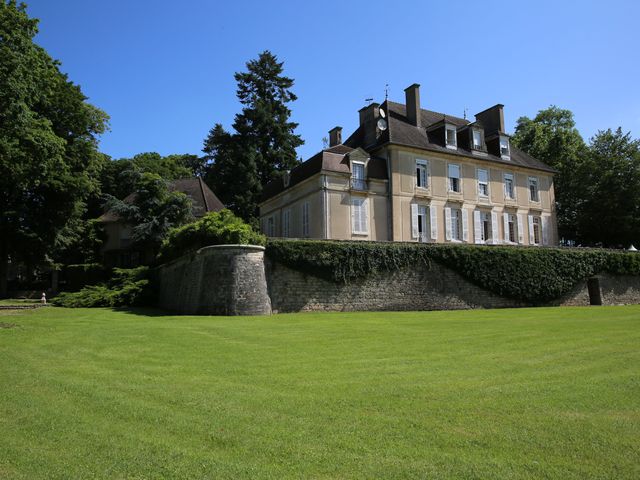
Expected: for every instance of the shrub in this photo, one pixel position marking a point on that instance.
(127, 287)
(215, 228)
(530, 274)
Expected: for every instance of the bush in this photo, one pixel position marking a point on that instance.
(530, 274)
(215, 228)
(127, 288)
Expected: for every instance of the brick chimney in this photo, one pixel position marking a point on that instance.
(412, 96)
(492, 119)
(335, 136)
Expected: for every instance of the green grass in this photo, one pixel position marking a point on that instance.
(530, 393)
(17, 301)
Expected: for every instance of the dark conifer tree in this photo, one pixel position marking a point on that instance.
(263, 144)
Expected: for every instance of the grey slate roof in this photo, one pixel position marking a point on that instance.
(333, 159)
(401, 132)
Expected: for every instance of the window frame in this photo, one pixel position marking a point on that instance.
(451, 128)
(363, 215)
(358, 183)
(450, 178)
(505, 139)
(536, 183)
(536, 221)
(457, 213)
(475, 146)
(422, 164)
(486, 182)
(512, 177)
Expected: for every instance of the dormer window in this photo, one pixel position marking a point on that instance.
(477, 140)
(451, 137)
(358, 181)
(504, 147)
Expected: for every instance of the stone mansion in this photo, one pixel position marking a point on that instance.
(410, 174)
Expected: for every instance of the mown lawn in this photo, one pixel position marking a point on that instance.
(531, 393)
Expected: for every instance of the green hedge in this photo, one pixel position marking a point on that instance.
(528, 274)
(215, 228)
(127, 288)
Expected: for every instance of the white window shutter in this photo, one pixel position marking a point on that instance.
(532, 237)
(355, 219)
(494, 228)
(414, 220)
(477, 227)
(520, 230)
(434, 222)
(505, 224)
(545, 230)
(364, 221)
(447, 223)
(465, 225)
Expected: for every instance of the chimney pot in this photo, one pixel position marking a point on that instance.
(412, 100)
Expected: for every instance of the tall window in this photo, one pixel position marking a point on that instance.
(477, 140)
(504, 146)
(305, 219)
(357, 176)
(270, 227)
(536, 230)
(485, 226)
(359, 215)
(511, 228)
(533, 189)
(456, 224)
(452, 141)
(509, 190)
(483, 182)
(454, 178)
(421, 174)
(423, 224)
(286, 223)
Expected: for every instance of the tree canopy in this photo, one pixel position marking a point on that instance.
(153, 209)
(597, 185)
(552, 137)
(263, 144)
(48, 144)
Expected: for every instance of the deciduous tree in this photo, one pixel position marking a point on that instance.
(48, 144)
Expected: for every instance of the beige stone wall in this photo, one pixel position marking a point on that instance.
(389, 216)
(329, 195)
(404, 192)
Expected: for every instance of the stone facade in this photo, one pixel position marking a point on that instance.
(216, 280)
(236, 280)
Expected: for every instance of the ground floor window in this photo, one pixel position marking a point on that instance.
(423, 223)
(535, 230)
(359, 214)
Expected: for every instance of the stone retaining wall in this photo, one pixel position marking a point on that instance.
(216, 280)
(236, 280)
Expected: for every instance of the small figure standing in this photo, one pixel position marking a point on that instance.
(43, 299)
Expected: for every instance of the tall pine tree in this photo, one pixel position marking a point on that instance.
(263, 144)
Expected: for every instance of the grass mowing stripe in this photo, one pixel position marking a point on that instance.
(528, 393)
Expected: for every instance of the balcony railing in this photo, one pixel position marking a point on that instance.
(358, 184)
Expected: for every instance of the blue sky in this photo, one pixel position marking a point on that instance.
(164, 70)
